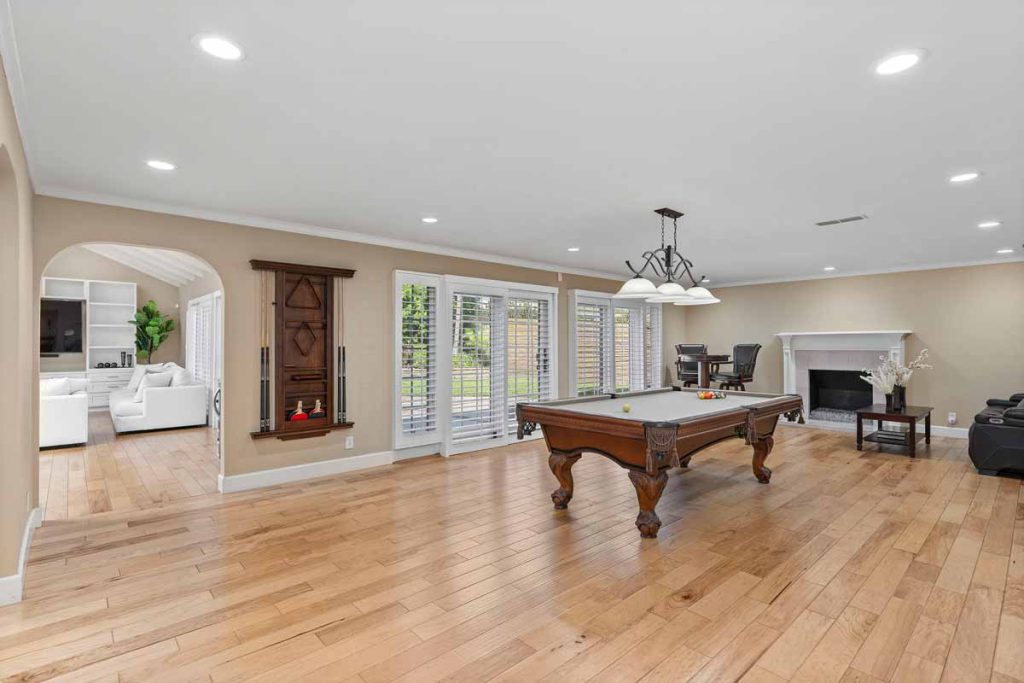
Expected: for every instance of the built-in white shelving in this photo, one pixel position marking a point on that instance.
(110, 330)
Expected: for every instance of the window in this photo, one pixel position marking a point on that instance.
(653, 370)
(528, 365)
(478, 368)
(467, 351)
(418, 366)
(592, 346)
(203, 342)
(616, 344)
(417, 371)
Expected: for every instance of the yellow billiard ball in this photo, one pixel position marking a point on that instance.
(626, 407)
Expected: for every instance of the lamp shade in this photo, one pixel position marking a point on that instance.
(636, 288)
(698, 302)
(669, 292)
(698, 292)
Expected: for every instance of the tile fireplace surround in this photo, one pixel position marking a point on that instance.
(856, 350)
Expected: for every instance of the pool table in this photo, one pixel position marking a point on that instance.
(648, 432)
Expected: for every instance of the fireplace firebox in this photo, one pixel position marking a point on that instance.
(835, 393)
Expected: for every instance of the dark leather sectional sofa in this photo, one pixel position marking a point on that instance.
(997, 436)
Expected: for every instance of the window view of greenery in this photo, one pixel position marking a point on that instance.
(419, 412)
(473, 368)
(528, 358)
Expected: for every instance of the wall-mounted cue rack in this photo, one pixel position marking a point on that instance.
(302, 350)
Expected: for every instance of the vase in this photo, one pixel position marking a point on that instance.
(897, 400)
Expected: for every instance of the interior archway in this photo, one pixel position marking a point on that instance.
(149, 433)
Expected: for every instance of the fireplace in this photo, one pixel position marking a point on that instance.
(806, 353)
(834, 394)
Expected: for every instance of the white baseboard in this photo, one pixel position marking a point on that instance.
(937, 430)
(284, 475)
(11, 587)
(417, 451)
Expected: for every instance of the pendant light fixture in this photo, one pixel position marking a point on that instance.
(666, 263)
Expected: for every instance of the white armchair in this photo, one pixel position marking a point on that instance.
(63, 419)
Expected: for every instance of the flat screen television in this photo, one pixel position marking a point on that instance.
(60, 326)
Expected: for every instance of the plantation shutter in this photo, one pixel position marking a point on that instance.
(199, 341)
(478, 357)
(417, 390)
(652, 364)
(530, 356)
(592, 344)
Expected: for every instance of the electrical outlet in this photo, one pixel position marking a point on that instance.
(951, 419)
(350, 442)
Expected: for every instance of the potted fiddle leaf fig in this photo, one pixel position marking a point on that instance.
(151, 330)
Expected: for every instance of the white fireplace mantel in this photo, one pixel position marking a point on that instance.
(891, 342)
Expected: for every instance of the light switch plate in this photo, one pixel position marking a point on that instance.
(350, 442)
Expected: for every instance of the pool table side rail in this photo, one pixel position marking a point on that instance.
(553, 413)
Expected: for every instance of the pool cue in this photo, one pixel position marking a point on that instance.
(264, 356)
(342, 377)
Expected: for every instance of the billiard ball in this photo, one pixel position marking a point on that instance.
(626, 407)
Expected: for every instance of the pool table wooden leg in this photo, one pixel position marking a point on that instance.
(561, 466)
(648, 492)
(762, 447)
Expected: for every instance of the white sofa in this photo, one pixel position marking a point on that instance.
(63, 412)
(184, 404)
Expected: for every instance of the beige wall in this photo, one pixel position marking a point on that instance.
(18, 341)
(971, 320)
(79, 262)
(368, 308)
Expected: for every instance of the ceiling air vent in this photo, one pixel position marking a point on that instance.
(838, 221)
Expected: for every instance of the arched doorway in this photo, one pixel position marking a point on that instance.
(131, 342)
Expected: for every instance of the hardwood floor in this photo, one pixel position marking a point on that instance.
(849, 566)
(127, 472)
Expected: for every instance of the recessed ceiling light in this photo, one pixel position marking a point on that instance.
(221, 48)
(829, 269)
(158, 165)
(899, 62)
(964, 177)
(989, 224)
(429, 219)
(1004, 251)
(573, 249)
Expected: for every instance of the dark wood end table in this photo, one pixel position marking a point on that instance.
(704, 362)
(908, 438)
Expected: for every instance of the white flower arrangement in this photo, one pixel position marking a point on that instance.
(891, 374)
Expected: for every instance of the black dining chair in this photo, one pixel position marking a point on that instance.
(687, 372)
(744, 358)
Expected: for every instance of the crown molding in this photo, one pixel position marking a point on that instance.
(876, 271)
(253, 221)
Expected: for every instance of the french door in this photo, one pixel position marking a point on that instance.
(461, 371)
(477, 413)
(614, 344)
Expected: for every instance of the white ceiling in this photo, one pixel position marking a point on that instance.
(532, 126)
(173, 267)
